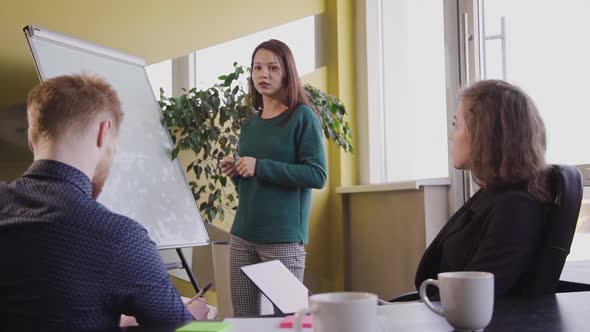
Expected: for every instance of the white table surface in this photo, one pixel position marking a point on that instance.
(576, 271)
(257, 324)
(393, 317)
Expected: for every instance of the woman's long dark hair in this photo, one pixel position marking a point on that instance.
(508, 140)
(292, 89)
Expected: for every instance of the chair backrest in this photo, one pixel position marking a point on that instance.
(566, 188)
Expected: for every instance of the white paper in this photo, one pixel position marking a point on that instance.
(279, 285)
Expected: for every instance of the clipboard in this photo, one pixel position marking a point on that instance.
(279, 285)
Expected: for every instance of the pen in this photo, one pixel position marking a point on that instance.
(201, 292)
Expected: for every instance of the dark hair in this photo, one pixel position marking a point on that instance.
(508, 139)
(293, 91)
(70, 102)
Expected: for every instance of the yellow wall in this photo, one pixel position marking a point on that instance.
(341, 83)
(13, 160)
(154, 30)
(159, 30)
(319, 274)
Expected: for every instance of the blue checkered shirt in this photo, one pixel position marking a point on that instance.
(68, 263)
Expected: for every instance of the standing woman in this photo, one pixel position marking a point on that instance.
(281, 157)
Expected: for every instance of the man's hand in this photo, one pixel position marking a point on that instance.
(128, 321)
(198, 308)
(246, 166)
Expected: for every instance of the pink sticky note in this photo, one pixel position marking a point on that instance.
(287, 322)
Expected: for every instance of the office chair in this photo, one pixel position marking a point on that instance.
(566, 188)
(566, 185)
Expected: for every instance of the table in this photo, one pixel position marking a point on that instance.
(576, 271)
(562, 312)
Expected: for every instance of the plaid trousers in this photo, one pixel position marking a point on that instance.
(244, 294)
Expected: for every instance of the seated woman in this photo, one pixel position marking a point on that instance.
(499, 137)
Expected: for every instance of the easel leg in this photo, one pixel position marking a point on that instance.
(188, 270)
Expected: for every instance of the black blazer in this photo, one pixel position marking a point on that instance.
(495, 231)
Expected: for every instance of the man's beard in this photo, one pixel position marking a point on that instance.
(100, 176)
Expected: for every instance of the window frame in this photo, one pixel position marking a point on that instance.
(371, 94)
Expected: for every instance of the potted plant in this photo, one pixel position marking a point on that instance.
(207, 122)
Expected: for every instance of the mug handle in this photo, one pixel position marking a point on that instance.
(298, 321)
(435, 308)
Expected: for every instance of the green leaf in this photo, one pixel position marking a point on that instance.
(174, 153)
(188, 168)
(198, 171)
(211, 215)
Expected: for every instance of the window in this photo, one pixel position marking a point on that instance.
(160, 76)
(403, 103)
(548, 58)
(202, 68)
(540, 46)
(217, 60)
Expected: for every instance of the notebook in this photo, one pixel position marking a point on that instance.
(205, 327)
(279, 285)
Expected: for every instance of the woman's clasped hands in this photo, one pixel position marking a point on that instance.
(242, 166)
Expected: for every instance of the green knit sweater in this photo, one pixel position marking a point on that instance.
(274, 204)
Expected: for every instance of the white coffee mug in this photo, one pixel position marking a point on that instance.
(341, 312)
(467, 298)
